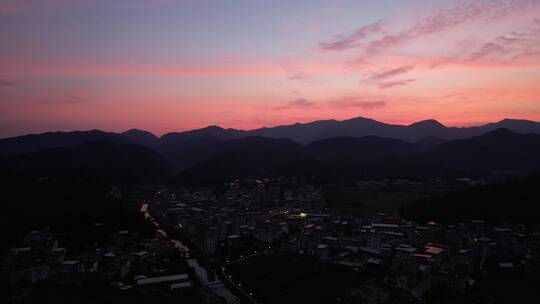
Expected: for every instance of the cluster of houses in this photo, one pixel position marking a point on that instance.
(263, 217)
(270, 216)
(123, 260)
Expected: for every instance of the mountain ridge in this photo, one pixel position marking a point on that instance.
(250, 156)
(369, 157)
(178, 146)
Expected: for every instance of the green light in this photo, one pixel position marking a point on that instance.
(303, 214)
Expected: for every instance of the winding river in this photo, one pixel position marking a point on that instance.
(216, 286)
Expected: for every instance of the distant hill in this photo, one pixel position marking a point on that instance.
(172, 144)
(367, 148)
(361, 127)
(209, 134)
(429, 142)
(240, 157)
(35, 142)
(141, 137)
(367, 157)
(216, 154)
(105, 161)
(515, 125)
(498, 149)
(185, 149)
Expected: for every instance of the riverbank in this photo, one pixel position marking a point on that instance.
(212, 283)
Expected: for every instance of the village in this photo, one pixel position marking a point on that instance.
(268, 241)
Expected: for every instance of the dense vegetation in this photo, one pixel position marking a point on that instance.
(63, 203)
(514, 201)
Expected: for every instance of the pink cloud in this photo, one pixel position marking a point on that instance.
(379, 78)
(378, 42)
(294, 72)
(8, 83)
(299, 103)
(444, 20)
(512, 46)
(69, 99)
(390, 73)
(357, 102)
(391, 84)
(343, 42)
(489, 49)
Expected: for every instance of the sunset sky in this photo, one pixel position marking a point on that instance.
(170, 65)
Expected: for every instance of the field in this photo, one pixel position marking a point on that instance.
(285, 279)
(351, 200)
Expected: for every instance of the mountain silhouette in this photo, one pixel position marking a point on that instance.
(101, 160)
(368, 157)
(209, 134)
(185, 149)
(141, 137)
(240, 157)
(498, 149)
(428, 142)
(216, 153)
(365, 148)
(361, 127)
(35, 142)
